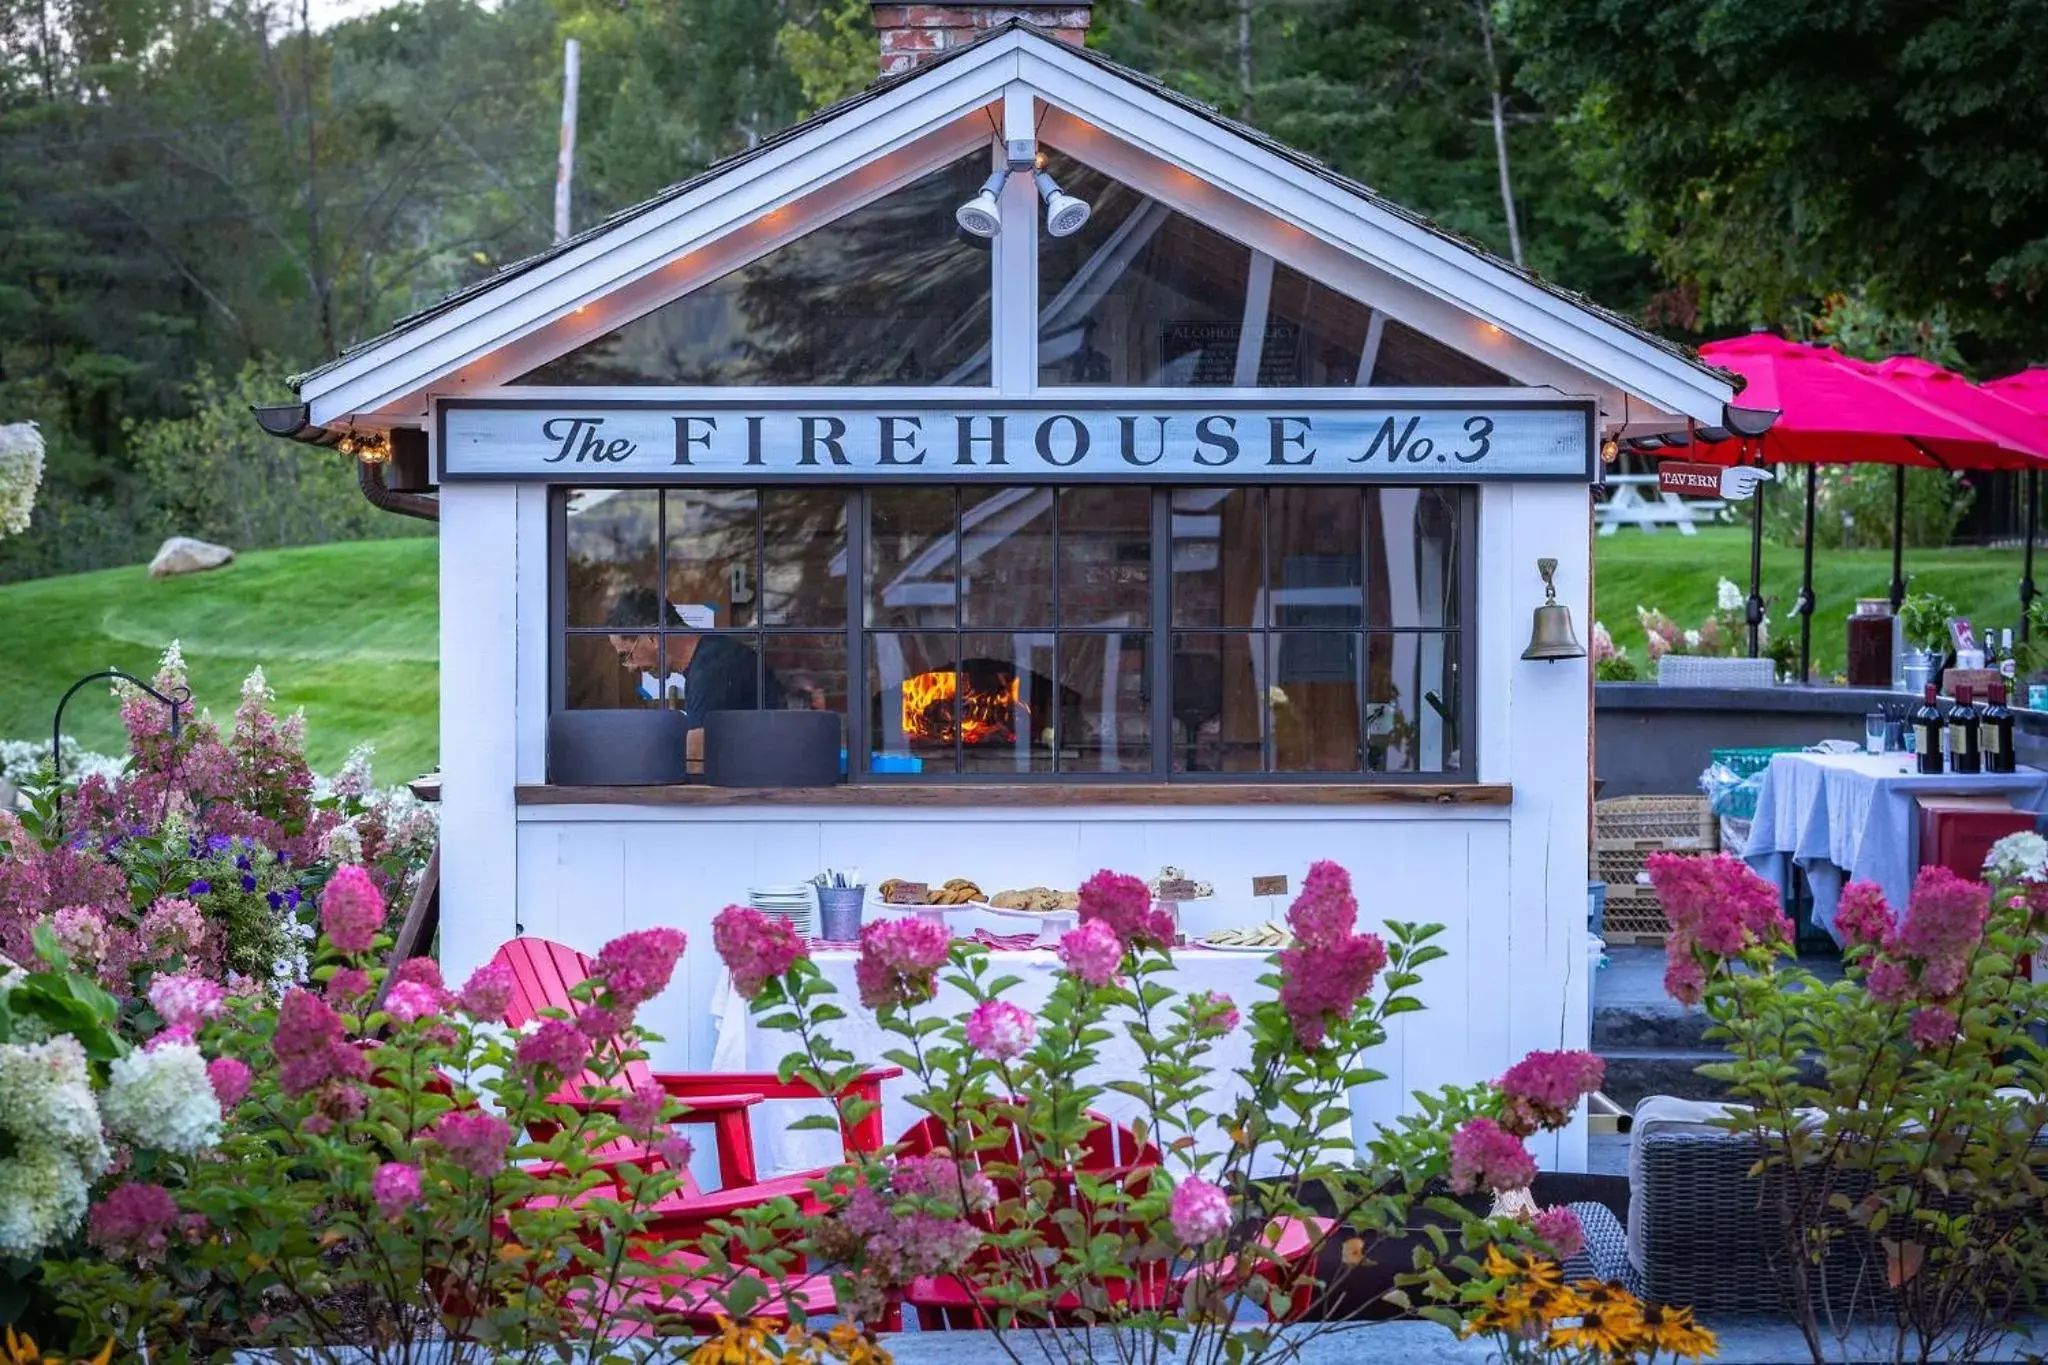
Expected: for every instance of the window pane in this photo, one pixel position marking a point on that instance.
(1314, 335)
(1105, 556)
(1006, 557)
(1219, 704)
(1142, 295)
(605, 672)
(803, 533)
(711, 561)
(1009, 700)
(1411, 539)
(1314, 697)
(1408, 359)
(1315, 579)
(719, 673)
(913, 703)
(1218, 550)
(1107, 727)
(888, 294)
(911, 562)
(1412, 704)
(808, 672)
(609, 576)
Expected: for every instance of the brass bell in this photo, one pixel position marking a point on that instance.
(1551, 637)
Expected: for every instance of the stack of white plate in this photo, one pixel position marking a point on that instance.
(794, 903)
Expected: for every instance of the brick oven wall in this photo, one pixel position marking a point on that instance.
(912, 35)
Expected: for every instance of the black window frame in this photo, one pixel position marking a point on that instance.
(1161, 630)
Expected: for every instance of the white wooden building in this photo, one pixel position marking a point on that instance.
(1217, 518)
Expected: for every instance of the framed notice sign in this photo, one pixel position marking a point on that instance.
(875, 441)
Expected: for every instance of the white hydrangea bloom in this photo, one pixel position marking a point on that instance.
(342, 844)
(1727, 596)
(163, 1099)
(2019, 857)
(46, 1098)
(43, 1198)
(255, 689)
(354, 781)
(21, 473)
(1692, 639)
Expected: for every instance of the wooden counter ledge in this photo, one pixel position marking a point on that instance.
(1036, 794)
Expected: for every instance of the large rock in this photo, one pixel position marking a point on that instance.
(182, 554)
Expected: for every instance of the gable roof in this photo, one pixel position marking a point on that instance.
(1709, 387)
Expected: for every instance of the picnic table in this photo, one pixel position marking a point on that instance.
(1627, 506)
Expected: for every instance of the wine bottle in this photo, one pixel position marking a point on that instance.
(2007, 664)
(1927, 734)
(1963, 753)
(1994, 732)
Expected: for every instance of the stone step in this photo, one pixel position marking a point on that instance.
(1634, 1073)
(1650, 1026)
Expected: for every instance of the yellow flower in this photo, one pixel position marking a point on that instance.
(1612, 1331)
(21, 1349)
(1673, 1330)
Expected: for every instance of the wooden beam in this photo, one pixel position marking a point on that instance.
(1037, 794)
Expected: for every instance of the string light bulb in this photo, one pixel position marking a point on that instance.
(1610, 450)
(371, 447)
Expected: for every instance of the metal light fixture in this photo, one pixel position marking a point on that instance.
(1551, 636)
(1064, 214)
(371, 447)
(982, 216)
(1610, 450)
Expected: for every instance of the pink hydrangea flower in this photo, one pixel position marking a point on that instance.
(999, 1030)
(1945, 916)
(1889, 982)
(1092, 953)
(1715, 904)
(410, 1000)
(134, 1222)
(597, 1023)
(556, 1045)
(1199, 1212)
(311, 1045)
(898, 960)
(1212, 1013)
(1684, 979)
(674, 1152)
(351, 910)
(396, 1188)
(347, 986)
(634, 968)
(1326, 911)
(1862, 915)
(172, 925)
(1932, 1028)
(640, 1110)
(1321, 984)
(1485, 1155)
(1544, 1089)
(230, 1077)
(958, 1185)
(81, 931)
(1560, 1229)
(422, 971)
(473, 1140)
(488, 992)
(185, 1001)
(755, 948)
(1124, 903)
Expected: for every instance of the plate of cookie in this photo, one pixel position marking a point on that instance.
(1034, 901)
(957, 891)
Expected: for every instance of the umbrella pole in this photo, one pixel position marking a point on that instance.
(1805, 605)
(2027, 593)
(1898, 536)
(1755, 605)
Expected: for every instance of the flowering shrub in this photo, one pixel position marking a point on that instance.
(1896, 1111)
(1524, 1309)
(1724, 632)
(379, 1183)
(1611, 662)
(21, 473)
(997, 1192)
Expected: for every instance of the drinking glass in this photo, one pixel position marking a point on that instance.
(1873, 732)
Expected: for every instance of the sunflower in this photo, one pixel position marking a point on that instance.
(1613, 1330)
(1673, 1330)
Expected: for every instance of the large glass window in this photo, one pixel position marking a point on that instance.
(889, 294)
(1033, 632)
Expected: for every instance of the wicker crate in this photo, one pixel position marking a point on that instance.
(1693, 670)
(1634, 916)
(1677, 823)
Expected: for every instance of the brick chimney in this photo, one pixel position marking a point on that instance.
(912, 35)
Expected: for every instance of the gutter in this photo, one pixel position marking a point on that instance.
(292, 422)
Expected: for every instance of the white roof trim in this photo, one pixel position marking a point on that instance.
(403, 366)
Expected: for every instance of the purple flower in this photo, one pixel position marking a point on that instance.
(276, 901)
(134, 1222)
(248, 882)
(200, 887)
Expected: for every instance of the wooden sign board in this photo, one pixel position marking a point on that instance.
(909, 893)
(1269, 886)
(1689, 480)
(1176, 889)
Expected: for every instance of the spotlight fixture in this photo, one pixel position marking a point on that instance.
(982, 216)
(1064, 214)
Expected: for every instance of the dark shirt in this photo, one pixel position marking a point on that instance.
(722, 677)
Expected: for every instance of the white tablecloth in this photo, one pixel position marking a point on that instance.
(1851, 817)
(743, 1046)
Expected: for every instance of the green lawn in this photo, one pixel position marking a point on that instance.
(349, 632)
(1677, 574)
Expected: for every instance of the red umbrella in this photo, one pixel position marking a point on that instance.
(1836, 410)
(2028, 389)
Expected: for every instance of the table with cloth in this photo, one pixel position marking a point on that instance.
(742, 1045)
(1852, 817)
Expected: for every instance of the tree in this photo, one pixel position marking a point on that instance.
(1771, 152)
